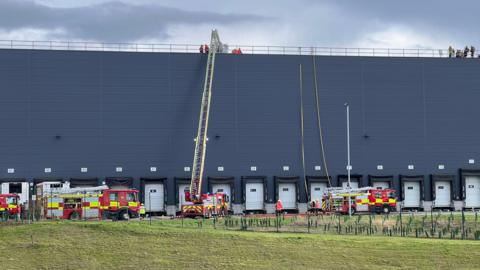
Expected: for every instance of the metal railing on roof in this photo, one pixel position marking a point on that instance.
(246, 49)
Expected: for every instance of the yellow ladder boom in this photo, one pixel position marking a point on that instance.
(201, 139)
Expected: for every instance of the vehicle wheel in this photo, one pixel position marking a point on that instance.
(74, 216)
(133, 214)
(124, 215)
(386, 209)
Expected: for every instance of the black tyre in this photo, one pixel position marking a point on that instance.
(133, 214)
(74, 216)
(386, 210)
(124, 215)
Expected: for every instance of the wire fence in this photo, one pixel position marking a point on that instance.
(246, 49)
(442, 225)
(461, 226)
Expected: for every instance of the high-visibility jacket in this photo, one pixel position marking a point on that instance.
(141, 211)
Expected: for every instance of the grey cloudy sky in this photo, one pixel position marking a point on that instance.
(343, 23)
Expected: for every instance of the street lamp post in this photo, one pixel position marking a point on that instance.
(349, 166)
(150, 205)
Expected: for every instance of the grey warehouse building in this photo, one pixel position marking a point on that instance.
(130, 118)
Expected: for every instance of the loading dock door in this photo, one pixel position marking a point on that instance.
(20, 188)
(254, 196)
(316, 191)
(353, 183)
(154, 197)
(442, 194)
(5, 189)
(87, 185)
(472, 191)
(380, 185)
(115, 186)
(182, 188)
(287, 193)
(224, 188)
(412, 194)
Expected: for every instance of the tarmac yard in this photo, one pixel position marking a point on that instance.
(166, 245)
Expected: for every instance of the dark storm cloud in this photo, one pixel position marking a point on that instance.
(111, 21)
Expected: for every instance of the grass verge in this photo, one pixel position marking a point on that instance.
(137, 245)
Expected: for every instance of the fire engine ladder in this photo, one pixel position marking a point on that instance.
(85, 190)
(341, 190)
(201, 139)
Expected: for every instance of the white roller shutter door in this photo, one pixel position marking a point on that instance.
(412, 194)
(287, 193)
(154, 197)
(442, 193)
(472, 191)
(317, 190)
(254, 196)
(380, 184)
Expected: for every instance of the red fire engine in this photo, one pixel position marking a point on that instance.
(9, 207)
(367, 199)
(95, 202)
(209, 205)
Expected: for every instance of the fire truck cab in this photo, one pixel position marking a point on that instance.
(9, 206)
(119, 204)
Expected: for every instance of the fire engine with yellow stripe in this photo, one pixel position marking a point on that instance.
(209, 205)
(366, 199)
(9, 207)
(91, 203)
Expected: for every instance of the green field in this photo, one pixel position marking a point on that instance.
(165, 245)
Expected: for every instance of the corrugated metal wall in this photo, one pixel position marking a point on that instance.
(102, 110)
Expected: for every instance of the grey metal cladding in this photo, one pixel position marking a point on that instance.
(67, 110)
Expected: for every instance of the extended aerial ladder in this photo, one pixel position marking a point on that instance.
(201, 139)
